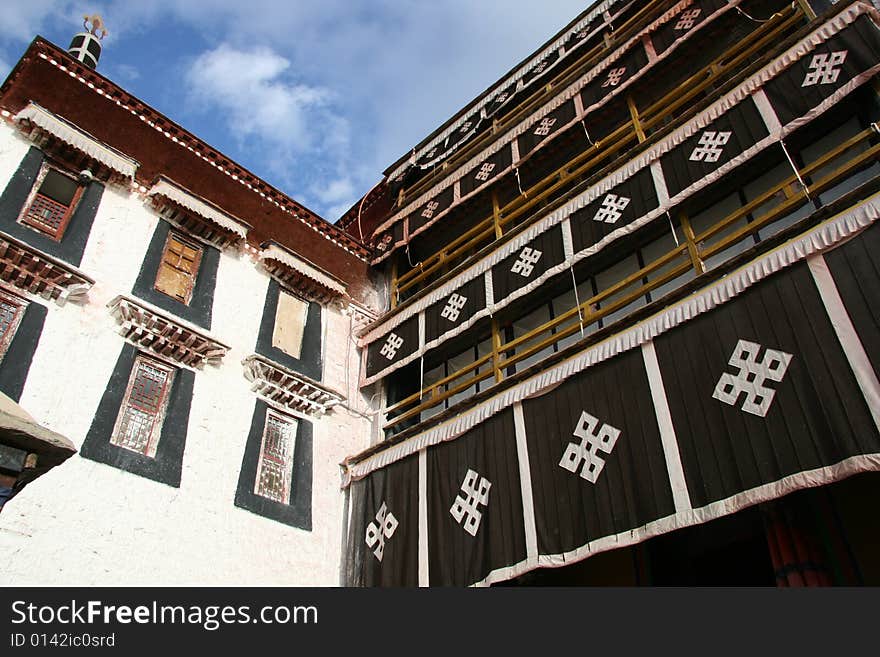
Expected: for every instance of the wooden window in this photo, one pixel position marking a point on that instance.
(51, 202)
(290, 323)
(11, 311)
(143, 408)
(179, 268)
(275, 467)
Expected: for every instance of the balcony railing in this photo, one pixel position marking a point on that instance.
(774, 204)
(592, 163)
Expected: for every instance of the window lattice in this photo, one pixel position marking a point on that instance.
(51, 202)
(46, 213)
(11, 311)
(8, 317)
(142, 408)
(276, 459)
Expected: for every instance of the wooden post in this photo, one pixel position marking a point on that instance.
(496, 351)
(688, 230)
(634, 113)
(496, 215)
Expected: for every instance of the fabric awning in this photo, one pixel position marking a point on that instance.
(70, 134)
(282, 255)
(190, 201)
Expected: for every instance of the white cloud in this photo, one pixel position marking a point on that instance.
(352, 84)
(335, 190)
(22, 19)
(336, 195)
(258, 99)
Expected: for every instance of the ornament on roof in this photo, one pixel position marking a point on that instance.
(97, 25)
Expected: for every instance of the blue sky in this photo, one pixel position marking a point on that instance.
(317, 97)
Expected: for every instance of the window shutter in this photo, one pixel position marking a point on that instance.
(178, 269)
(290, 323)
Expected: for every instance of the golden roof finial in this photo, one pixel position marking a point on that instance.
(97, 25)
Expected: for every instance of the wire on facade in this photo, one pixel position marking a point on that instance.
(762, 20)
(519, 183)
(577, 300)
(587, 132)
(672, 228)
(795, 169)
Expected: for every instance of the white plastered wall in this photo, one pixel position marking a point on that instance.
(87, 523)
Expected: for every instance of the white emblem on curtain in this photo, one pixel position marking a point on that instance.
(545, 126)
(611, 209)
(476, 492)
(453, 307)
(614, 76)
(465, 127)
(711, 146)
(687, 19)
(385, 242)
(378, 534)
(540, 68)
(825, 68)
(431, 153)
(485, 170)
(752, 375)
(392, 344)
(502, 97)
(430, 209)
(526, 261)
(587, 451)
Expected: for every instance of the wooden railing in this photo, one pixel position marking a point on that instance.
(788, 195)
(533, 203)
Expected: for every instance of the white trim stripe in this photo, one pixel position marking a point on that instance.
(846, 333)
(500, 86)
(823, 237)
(660, 183)
(768, 114)
(572, 91)
(647, 159)
(798, 481)
(424, 579)
(525, 481)
(680, 495)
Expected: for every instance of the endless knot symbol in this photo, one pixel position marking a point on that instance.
(614, 76)
(590, 446)
(429, 210)
(544, 127)
(453, 307)
(502, 97)
(612, 208)
(711, 146)
(392, 344)
(687, 19)
(825, 68)
(751, 377)
(431, 153)
(385, 530)
(475, 495)
(525, 264)
(386, 240)
(485, 170)
(467, 126)
(540, 68)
